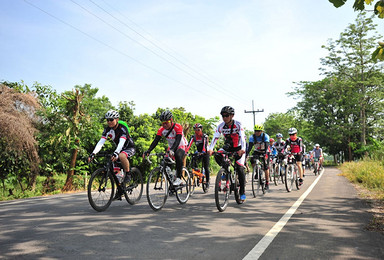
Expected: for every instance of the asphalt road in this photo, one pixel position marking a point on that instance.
(328, 224)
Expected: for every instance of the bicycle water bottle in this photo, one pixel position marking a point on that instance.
(170, 173)
(120, 175)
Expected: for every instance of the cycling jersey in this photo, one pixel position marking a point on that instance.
(296, 146)
(234, 136)
(317, 152)
(279, 146)
(260, 143)
(201, 143)
(120, 137)
(273, 150)
(176, 129)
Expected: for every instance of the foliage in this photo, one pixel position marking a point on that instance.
(378, 10)
(345, 108)
(360, 5)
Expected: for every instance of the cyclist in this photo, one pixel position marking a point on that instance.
(260, 141)
(234, 142)
(294, 144)
(273, 150)
(173, 132)
(201, 141)
(279, 145)
(317, 153)
(125, 149)
(303, 159)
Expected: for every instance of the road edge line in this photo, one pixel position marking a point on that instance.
(263, 244)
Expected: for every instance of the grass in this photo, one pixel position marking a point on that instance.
(368, 177)
(366, 173)
(44, 186)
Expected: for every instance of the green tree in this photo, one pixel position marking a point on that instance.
(345, 107)
(360, 5)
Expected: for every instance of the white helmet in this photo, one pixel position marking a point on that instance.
(317, 145)
(112, 114)
(292, 131)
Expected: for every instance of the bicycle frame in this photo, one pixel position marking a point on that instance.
(155, 195)
(225, 174)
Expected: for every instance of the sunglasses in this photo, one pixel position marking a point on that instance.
(291, 134)
(225, 115)
(166, 122)
(197, 129)
(110, 119)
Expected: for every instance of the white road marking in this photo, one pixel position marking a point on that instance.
(263, 244)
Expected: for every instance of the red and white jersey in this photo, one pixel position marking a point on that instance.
(234, 132)
(177, 130)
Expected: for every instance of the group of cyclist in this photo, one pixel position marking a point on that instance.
(235, 142)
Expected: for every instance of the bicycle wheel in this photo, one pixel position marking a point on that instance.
(289, 177)
(133, 189)
(316, 167)
(296, 177)
(184, 189)
(194, 181)
(157, 189)
(255, 181)
(101, 188)
(282, 173)
(221, 190)
(237, 188)
(262, 180)
(275, 177)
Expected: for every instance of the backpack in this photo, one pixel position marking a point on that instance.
(124, 124)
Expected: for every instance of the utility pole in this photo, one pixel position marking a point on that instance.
(254, 112)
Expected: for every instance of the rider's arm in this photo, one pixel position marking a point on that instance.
(99, 145)
(250, 145)
(154, 143)
(189, 144)
(120, 146)
(215, 137)
(177, 142)
(242, 140)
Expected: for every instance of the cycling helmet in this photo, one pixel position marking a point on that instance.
(197, 125)
(227, 110)
(112, 114)
(317, 145)
(271, 140)
(279, 135)
(292, 131)
(258, 128)
(166, 115)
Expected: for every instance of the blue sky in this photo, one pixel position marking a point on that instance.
(201, 55)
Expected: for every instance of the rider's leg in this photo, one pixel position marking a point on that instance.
(179, 157)
(124, 161)
(206, 166)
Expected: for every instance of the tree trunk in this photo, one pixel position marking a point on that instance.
(69, 182)
(349, 150)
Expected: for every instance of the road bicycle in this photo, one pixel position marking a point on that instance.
(258, 176)
(197, 175)
(104, 184)
(227, 181)
(280, 169)
(274, 175)
(160, 183)
(291, 173)
(316, 166)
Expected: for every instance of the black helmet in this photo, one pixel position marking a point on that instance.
(166, 115)
(227, 110)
